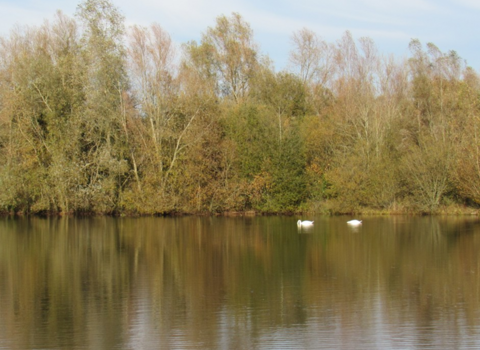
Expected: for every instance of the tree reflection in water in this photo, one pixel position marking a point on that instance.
(214, 282)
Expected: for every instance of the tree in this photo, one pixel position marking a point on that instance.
(312, 57)
(283, 93)
(288, 189)
(42, 94)
(313, 61)
(105, 154)
(152, 69)
(228, 55)
(426, 169)
(467, 168)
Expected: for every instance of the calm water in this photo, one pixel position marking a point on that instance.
(239, 283)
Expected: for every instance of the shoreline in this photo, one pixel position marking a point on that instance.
(442, 211)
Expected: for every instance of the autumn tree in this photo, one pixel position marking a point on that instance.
(42, 93)
(362, 128)
(466, 176)
(24, 154)
(227, 55)
(105, 156)
(313, 60)
(94, 120)
(151, 56)
(438, 115)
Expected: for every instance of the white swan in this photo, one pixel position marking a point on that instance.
(305, 223)
(354, 222)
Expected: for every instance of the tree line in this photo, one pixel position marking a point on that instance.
(99, 118)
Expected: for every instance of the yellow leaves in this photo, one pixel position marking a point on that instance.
(467, 172)
(261, 182)
(221, 130)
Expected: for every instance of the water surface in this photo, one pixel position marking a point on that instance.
(239, 283)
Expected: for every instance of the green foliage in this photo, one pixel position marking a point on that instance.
(252, 132)
(283, 92)
(93, 122)
(288, 189)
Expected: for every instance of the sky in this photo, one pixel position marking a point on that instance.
(391, 24)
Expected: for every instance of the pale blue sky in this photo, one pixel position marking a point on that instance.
(449, 24)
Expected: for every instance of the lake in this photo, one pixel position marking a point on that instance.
(394, 282)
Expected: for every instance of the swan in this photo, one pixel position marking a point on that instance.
(305, 223)
(354, 222)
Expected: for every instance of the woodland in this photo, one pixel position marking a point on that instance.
(98, 118)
